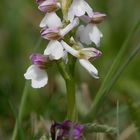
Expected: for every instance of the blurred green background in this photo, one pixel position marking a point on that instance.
(19, 37)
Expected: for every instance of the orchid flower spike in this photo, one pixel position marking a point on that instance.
(91, 31)
(79, 8)
(52, 27)
(83, 56)
(36, 72)
(48, 6)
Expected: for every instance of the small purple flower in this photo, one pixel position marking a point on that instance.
(67, 130)
(40, 60)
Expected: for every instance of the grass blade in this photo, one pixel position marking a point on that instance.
(109, 82)
(21, 111)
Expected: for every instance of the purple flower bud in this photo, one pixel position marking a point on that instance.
(89, 53)
(40, 60)
(48, 6)
(56, 33)
(96, 52)
(39, 1)
(67, 129)
(51, 33)
(96, 18)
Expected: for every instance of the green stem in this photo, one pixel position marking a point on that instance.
(21, 111)
(62, 69)
(71, 113)
(68, 75)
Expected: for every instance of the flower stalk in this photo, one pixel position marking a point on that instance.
(68, 39)
(70, 87)
(71, 112)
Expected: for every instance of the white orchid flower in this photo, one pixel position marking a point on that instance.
(38, 76)
(79, 8)
(89, 33)
(52, 27)
(83, 55)
(36, 72)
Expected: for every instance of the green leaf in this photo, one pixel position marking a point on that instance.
(112, 75)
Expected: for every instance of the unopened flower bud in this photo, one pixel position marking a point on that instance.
(96, 18)
(56, 33)
(39, 1)
(40, 60)
(51, 33)
(89, 53)
(48, 6)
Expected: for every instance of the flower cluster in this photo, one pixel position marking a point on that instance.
(69, 36)
(67, 130)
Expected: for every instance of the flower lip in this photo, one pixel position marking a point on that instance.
(50, 33)
(48, 6)
(38, 76)
(91, 34)
(39, 60)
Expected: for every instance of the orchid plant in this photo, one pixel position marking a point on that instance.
(68, 42)
(69, 39)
